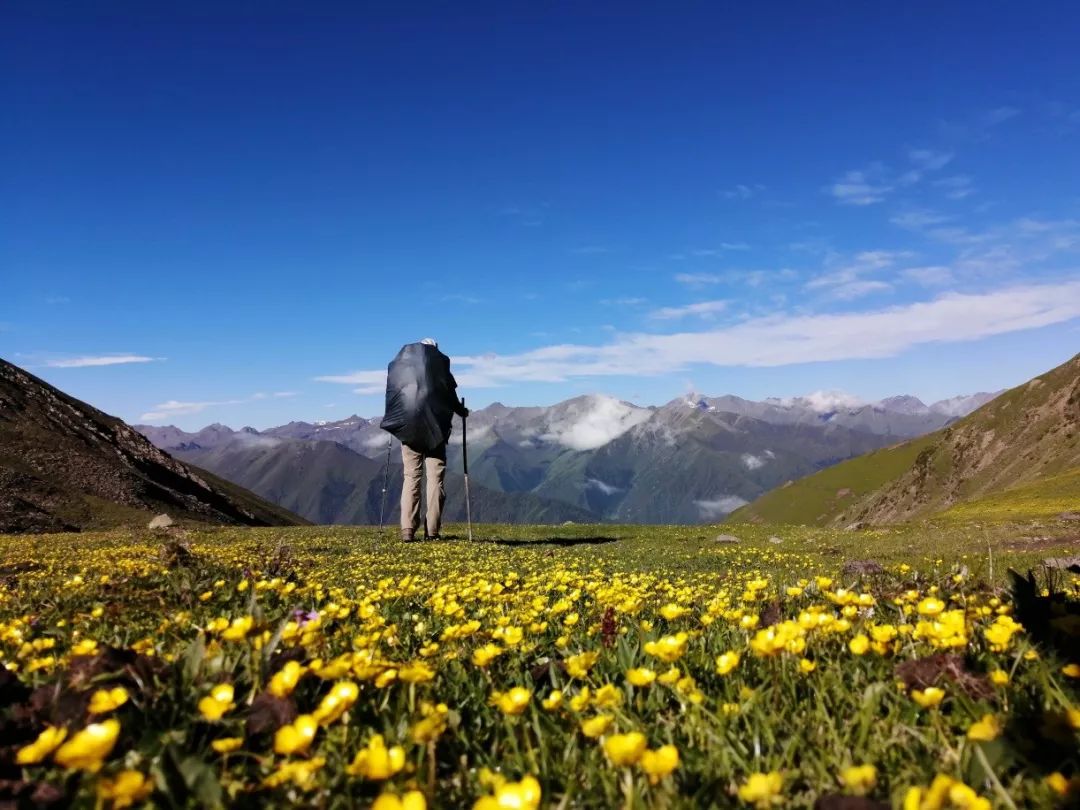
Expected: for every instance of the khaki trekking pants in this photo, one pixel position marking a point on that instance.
(410, 493)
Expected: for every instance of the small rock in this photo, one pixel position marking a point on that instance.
(775, 541)
(854, 527)
(162, 521)
(862, 567)
(725, 538)
(1062, 562)
(843, 493)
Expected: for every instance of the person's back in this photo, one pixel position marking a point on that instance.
(421, 400)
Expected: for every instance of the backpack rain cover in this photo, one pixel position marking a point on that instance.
(420, 397)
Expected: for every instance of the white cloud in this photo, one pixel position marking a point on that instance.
(698, 279)
(742, 191)
(822, 401)
(702, 309)
(369, 382)
(929, 159)
(596, 421)
(626, 301)
(752, 462)
(719, 507)
(956, 187)
(930, 275)
(779, 340)
(101, 360)
(174, 408)
(845, 281)
(607, 489)
(859, 188)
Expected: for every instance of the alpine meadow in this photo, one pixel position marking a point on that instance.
(540, 406)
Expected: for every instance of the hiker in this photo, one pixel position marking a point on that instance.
(421, 400)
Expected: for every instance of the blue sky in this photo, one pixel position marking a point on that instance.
(239, 215)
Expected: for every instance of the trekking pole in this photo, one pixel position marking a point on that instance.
(465, 463)
(385, 484)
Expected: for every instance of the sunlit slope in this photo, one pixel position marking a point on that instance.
(1027, 440)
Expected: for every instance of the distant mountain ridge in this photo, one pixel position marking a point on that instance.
(65, 466)
(1024, 441)
(588, 458)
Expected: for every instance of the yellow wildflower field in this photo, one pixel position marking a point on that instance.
(644, 667)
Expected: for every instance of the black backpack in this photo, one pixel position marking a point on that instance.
(420, 397)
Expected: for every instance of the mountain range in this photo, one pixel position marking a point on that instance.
(65, 466)
(1017, 456)
(591, 458)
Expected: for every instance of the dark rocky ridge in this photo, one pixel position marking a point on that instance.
(66, 466)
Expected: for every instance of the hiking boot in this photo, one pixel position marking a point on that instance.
(408, 535)
(432, 537)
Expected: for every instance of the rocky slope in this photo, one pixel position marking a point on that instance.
(65, 466)
(1023, 437)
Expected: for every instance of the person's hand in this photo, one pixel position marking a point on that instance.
(464, 412)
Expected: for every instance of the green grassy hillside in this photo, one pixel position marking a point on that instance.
(1016, 455)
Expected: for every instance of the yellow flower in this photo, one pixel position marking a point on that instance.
(512, 702)
(376, 761)
(668, 648)
(640, 677)
(126, 789)
(999, 677)
(226, 745)
(625, 749)
(336, 702)
(659, 763)
(553, 701)
(1071, 670)
(299, 772)
(285, 679)
(581, 700)
(47, 742)
(523, 795)
(670, 677)
(859, 779)
(105, 700)
(432, 723)
(859, 644)
(578, 666)
(928, 698)
(411, 800)
(596, 726)
(671, 611)
(219, 701)
(726, 662)
(296, 737)
(482, 656)
(89, 748)
(806, 666)
(930, 606)
(1073, 716)
(762, 789)
(985, 730)
(238, 629)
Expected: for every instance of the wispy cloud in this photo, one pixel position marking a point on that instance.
(779, 340)
(742, 191)
(956, 187)
(164, 411)
(930, 275)
(845, 281)
(877, 181)
(702, 309)
(101, 360)
(706, 253)
(173, 408)
(369, 382)
(861, 187)
(625, 301)
(698, 279)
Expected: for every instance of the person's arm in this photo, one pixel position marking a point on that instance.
(451, 384)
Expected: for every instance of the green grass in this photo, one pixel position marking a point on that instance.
(815, 500)
(378, 606)
(1044, 499)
